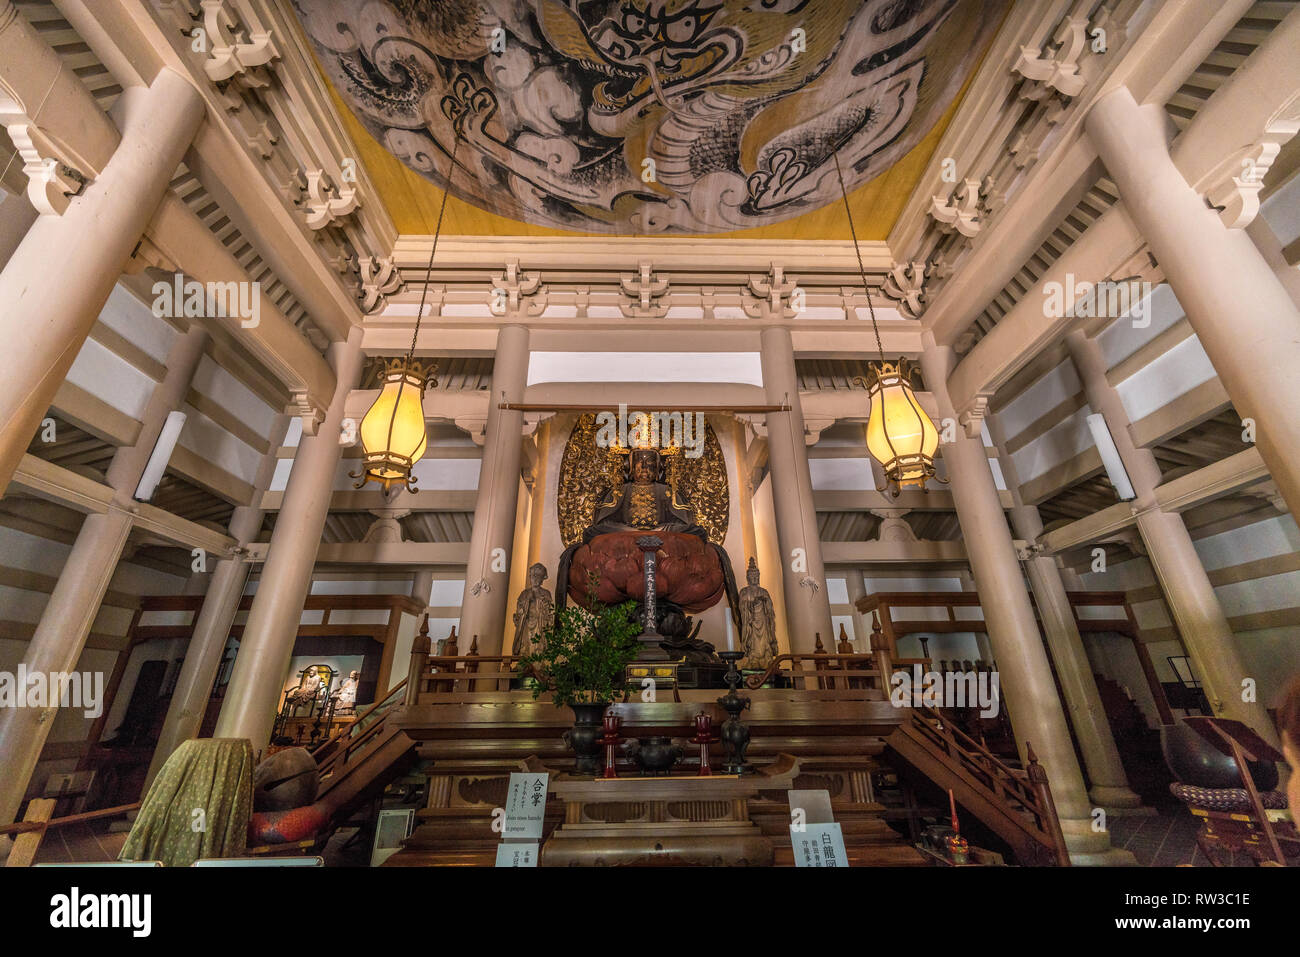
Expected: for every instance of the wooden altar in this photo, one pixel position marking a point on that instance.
(680, 820)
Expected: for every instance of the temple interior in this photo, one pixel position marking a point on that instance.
(642, 432)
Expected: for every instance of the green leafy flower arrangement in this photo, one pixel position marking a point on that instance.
(585, 654)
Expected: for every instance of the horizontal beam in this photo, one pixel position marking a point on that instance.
(276, 342)
(425, 500)
(892, 553)
(1224, 477)
(562, 254)
(65, 487)
(455, 554)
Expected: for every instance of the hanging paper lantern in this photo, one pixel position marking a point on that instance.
(393, 433)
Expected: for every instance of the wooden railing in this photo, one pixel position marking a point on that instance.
(824, 672)
(1024, 795)
(31, 830)
(337, 748)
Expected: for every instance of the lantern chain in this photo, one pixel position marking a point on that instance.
(437, 231)
(861, 268)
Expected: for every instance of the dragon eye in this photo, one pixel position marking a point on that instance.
(633, 22)
(682, 30)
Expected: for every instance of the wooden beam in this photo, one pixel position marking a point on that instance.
(425, 500)
(57, 484)
(1205, 484)
(1193, 407)
(893, 553)
(385, 553)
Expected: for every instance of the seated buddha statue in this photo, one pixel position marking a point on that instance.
(644, 503)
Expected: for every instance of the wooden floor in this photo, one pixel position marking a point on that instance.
(76, 843)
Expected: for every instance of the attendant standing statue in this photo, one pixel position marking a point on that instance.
(534, 613)
(757, 623)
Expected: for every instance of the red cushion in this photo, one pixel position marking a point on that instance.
(285, 827)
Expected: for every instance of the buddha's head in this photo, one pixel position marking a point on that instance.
(645, 466)
(751, 573)
(536, 574)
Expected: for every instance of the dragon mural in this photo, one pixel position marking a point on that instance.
(646, 116)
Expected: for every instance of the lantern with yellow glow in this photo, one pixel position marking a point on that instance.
(900, 436)
(393, 433)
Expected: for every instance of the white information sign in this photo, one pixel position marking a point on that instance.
(819, 845)
(525, 806)
(511, 854)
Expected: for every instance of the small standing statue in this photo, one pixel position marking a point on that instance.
(757, 622)
(534, 613)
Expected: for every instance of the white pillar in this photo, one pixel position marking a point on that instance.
(1240, 311)
(803, 576)
(422, 585)
(17, 216)
(207, 644)
(267, 643)
(65, 623)
(49, 311)
(1190, 595)
(1025, 676)
(1087, 715)
(487, 572)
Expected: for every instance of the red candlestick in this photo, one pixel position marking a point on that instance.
(704, 736)
(611, 740)
(952, 804)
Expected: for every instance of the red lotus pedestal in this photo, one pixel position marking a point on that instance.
(687, 571)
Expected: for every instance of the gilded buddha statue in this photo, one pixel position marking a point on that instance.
(646, 504)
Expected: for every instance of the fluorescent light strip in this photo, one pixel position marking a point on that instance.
(1110, 459)
(160, 456)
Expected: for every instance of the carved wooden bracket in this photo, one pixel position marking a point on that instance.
(52, 176)
(311, 414)
(972, 417)
(325, 203)
(646, 296)
(511, 288)
(772, 294)
(905, 284)
(1233, 186)
(961, 212)
(232, 54)
(1056, 71)
(380, 278)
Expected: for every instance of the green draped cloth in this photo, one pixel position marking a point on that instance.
(214, 775)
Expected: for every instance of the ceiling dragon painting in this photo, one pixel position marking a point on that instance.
(648, 116)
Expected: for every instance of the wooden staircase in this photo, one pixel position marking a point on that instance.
(1015, 805)
(358, 763)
